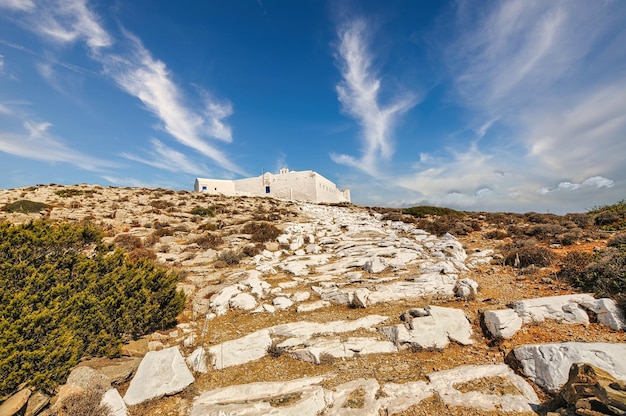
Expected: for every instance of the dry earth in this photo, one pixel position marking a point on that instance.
(141, 211)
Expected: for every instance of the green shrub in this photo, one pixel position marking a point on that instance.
(424, 210)
(261, 231)
(69, 192)
(61, 300)
(24, 206)
(203, 212)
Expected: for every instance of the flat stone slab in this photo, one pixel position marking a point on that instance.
(335, 347)
(257, 399)
(434, 330)
(548, 364)
(303, 328)
(399, 397)
(445, 384)
(161, 373)
(241, 350)
(364, 403)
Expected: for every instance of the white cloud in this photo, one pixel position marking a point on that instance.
(596, 182)
(163, 157)
(22, 5)
(148, 79)
(359, 92)
(37, 143)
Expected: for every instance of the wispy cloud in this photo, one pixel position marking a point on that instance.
(136, 72)
(148, 79)
(22, 5)
(593, 182)
(36, 142)
(546, 83)
(163, 157)
(359, 94)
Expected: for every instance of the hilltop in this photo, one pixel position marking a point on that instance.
(345, 309)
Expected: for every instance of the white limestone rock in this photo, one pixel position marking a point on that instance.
(312, 306)
(300, 296)
(160, 373)
(466, 289)
(360, 297)
(443, 382)
(114, 401)
(313, 249)
(281, 303)
(335, 347)
(436, 330)
(197, 360)
(254, 399)
(548, 364)
(375, 265)
(340, 395)
(308, 329)
(503, 323)
(241, 350)
(243, 301)
(399, 397)
(220, 301)
(608, 313)
(562, 308)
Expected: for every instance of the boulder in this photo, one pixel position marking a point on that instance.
(197, 360)
(89, 379)
(503, 323)
(466, 289)
(589, 387)
(548, 364)
(359, 297)
(161, 373)
(281, 303)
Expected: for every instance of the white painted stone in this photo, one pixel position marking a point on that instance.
(197, 360)
(160, 373)
(242, 301)
(114, 401)
(548, 364)
(399, 397)
(375, 265)
(443, 382)
(503, 323)
(300, 296)
(241, 350)
(254, 399)
(281, 303)
(340, 395)
(312, 306)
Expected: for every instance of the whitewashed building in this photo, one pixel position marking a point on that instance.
(308, 186)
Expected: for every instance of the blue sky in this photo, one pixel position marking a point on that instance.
(478, 105)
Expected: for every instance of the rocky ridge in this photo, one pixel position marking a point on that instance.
(344, 313)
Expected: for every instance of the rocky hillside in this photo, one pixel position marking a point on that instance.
(300, 309)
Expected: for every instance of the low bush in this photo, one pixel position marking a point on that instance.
(228, 258)
(203, 211)
(83, 403)
(496, 234)
(617, 241)
(128, 241)
(60, 304)
(25, 206)
(424, 210)
(261, 231)
(527, 255)
(70, 192)
(141, 253)
(208, 241)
